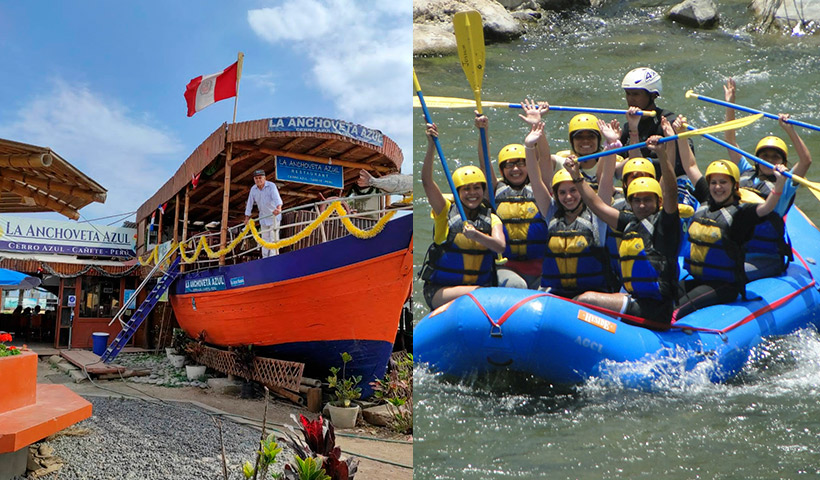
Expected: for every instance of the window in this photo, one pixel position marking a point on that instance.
(100, 297)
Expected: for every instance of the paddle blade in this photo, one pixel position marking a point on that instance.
(452, 102)
(813, 187)
(469, 32)
(721, 127)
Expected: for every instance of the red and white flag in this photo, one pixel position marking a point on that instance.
(207, 89)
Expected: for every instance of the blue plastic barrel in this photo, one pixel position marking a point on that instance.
(100, 342)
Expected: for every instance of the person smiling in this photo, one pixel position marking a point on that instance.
(575, 260)
(462, 255)
(525, 230)
(768, 252)
(651, 239)
(717, 235)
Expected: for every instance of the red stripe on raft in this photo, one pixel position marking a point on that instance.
(767, 308)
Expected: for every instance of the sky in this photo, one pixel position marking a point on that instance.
(101, 83)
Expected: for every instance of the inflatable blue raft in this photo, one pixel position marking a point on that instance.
(564, 342)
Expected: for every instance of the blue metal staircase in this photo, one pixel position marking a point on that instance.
(131, 326)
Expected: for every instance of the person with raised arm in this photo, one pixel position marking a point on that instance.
(718, 233)
(462, 255)
(650, 243)
(575, 260)
(525, 230)
(642, 86)
(769, 251)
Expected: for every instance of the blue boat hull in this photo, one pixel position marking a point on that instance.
(566, 343)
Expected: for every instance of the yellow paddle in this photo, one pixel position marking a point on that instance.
(813, 187)
(720, 127)
(469, 32)
(452, 102)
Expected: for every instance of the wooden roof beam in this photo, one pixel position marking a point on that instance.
(243, 157)
(39, 198)
(32, 160)
(49, 185)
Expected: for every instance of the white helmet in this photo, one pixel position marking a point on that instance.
(644, 78)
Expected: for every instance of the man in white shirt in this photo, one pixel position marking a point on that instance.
(267, 199)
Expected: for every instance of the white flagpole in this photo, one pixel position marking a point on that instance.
(240, 59)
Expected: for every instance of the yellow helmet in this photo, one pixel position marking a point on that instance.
(645, 185)
(584, 121)
(511, 151)
(561, 175)
(469, 174)
(724, 167)
(773, 142)
(638, 164)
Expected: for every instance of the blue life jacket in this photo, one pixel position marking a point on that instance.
(645, 271)
(574, 261)
(712, 255)
(524, 228)
(769, 237)
(460, 261)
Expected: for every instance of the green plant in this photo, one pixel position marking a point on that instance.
(347, 389)
(396, 388)
(308, 469)
(195, 348)
(268, 454)
(267, 457)
(402, 411)
(320, 442)
(179, 340)
(7, 350)
(244, 357)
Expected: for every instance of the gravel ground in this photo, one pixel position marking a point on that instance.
(162, 372)
(134, 439)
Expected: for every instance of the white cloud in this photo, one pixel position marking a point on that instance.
(291, 21)
(264, 80)
(361, 56)
(103, 139)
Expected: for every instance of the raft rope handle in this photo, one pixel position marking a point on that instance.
(495, 330)
(765, 309)
(776, 304)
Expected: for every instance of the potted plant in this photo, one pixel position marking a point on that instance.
(194, 351)
(179, 340)
(343, 413)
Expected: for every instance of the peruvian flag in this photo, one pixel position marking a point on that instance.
(207, 89)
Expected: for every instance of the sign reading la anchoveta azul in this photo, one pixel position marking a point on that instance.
(205, 284)
(326, 125)
(20, 234)
(312, 173)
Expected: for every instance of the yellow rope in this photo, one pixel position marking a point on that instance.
(335, 207)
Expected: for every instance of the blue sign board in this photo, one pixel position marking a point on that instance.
(326, 125)
(303, 171)
(205, 284)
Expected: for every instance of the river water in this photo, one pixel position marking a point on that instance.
(766, 423)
